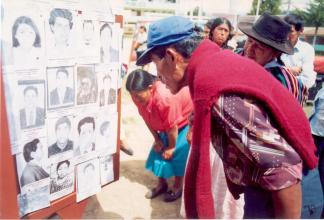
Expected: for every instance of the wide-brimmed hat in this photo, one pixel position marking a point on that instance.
(270, 30)
(164, 32)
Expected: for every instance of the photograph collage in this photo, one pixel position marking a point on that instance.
(61, 65)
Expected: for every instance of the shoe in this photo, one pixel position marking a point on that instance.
(171, 196)
(127, 150)
(155, 191)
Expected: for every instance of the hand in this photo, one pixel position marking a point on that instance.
(295, 70)
(158, 145)
(168, 153)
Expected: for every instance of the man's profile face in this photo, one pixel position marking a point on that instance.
(172, 77)
(61, 80)
(293, 35)
(62, 170)
(61, 31)
(30, 98)
(62, 133)
(258, 51)
(86, 134)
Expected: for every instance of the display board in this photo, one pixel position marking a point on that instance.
(60, 105)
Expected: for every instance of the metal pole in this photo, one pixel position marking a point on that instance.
(258, 9)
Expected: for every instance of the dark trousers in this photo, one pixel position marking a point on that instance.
(259, 204)
(319, 142)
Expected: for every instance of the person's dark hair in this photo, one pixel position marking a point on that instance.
(63, 70)
(185, 47)
(62, 120)
(142, 27)
(61, 163)
(220, 21)
(30, 88)
(60, 12)
(86, 120)
(296, 20)
(209, 23)
(139, 80)
(29, 148)
(106, 25)
(30, 22)
(89, 165)
(103, 127)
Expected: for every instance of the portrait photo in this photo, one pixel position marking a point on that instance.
(62, 179)
(87, 87)
(86, 135)
(106, 141)
(60, 87)
(108, 92)
(88, 179)
(59, 135)
(31, 164)
(27, 43)
(106, 169)
(109, 44)
(60, 33)
(32, 109)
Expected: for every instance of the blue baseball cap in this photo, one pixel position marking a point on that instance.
(165, 32)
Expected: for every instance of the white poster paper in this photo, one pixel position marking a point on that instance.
(106, 169)
(87, 87)
(88, 179)
(106, 140)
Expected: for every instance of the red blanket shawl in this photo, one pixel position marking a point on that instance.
(213, 71)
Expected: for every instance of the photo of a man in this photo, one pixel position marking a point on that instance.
(62, 131)
(60, 22)
(87, 91)
(31, 115)
(64, 178)
(62, 94)
(107, 93)
(33, 155)
(88, 32)
(86, 131)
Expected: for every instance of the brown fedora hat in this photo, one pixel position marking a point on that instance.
(270, 30)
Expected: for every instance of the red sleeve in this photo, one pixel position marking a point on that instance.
(170, 112)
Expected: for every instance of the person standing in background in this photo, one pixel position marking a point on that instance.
(221, 32)
(301, 62)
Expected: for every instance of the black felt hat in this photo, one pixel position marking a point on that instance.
(270, 30)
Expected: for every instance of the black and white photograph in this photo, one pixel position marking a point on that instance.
(106, 141)
(31, 163)
(32, 109)
(59, 136)
(89, 43)
(87, 87)
(60, 87)
(109, 43)
(88, 179)
(106, 169)
(62, 179)
(86, 135)
(23, 37)
(60, 36)
(108, 91)
(33, 200)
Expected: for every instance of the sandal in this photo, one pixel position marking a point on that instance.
(171, 196)
(156, 191)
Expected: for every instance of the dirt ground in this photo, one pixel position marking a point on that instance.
(125, 198)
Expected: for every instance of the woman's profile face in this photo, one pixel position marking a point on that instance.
(142, 97)
(221, 34)
(25, 35)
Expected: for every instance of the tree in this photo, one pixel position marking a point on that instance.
(313, 16)
(271, 6)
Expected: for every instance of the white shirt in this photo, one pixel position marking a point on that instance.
(303, 57)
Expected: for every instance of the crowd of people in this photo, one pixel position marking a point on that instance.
(229, 125)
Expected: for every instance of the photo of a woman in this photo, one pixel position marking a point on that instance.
(26, 43)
